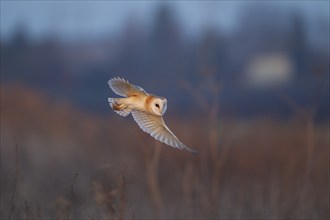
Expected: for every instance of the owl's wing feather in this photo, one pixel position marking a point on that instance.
(156, 127)
(124, 88)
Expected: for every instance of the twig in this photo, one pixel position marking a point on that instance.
(212, 110)
(152, 167)
(196, 95)
(27, 210)
(39, 217)
(72, 187)
(293, 104)
(71, 196)
(122, 187)
(15, 176)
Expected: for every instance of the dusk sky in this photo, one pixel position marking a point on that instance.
(88, 19)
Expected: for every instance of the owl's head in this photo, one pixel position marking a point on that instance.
(158, 105)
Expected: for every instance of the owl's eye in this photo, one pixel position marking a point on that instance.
(157, 105)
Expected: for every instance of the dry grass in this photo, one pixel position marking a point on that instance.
(78, 166)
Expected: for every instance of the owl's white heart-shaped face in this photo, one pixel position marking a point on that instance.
(158, 106)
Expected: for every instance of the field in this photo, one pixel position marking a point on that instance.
(60, 163)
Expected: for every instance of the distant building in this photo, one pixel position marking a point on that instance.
(269, 70)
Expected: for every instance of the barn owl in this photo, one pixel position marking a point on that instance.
(146, 109)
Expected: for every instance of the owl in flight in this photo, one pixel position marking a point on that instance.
(147, 110)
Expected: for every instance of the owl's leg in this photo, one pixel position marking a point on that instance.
(115, 105)
(119, 108)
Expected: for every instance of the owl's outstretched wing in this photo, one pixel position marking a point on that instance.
(156, 127)
(124, 88)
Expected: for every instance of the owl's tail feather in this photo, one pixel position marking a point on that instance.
(120, 109)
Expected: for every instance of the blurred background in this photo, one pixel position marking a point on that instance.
(247, 85)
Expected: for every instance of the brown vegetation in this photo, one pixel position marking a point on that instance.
(74, 165)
